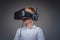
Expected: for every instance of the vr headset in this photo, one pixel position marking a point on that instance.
(22, 14)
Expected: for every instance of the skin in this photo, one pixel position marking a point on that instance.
(28, 22)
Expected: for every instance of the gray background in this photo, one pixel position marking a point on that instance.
(48, 19)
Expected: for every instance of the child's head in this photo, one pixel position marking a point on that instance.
(27, 14)
(30, 10)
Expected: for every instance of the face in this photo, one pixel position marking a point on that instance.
(27, 20)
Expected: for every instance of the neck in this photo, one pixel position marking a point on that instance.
(29, 25)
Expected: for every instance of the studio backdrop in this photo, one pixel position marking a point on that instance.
(48, 17)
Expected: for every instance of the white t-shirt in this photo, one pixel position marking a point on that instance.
(35, 33)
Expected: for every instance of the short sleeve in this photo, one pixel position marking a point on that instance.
(40, 34)
(17, 34)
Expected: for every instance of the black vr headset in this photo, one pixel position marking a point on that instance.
(21, 14)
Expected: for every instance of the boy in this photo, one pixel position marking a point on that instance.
(29, 31)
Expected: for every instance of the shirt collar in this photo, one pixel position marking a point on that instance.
(33, 27)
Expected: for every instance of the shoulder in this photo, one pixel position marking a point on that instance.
(39, 28)
(18, 30)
